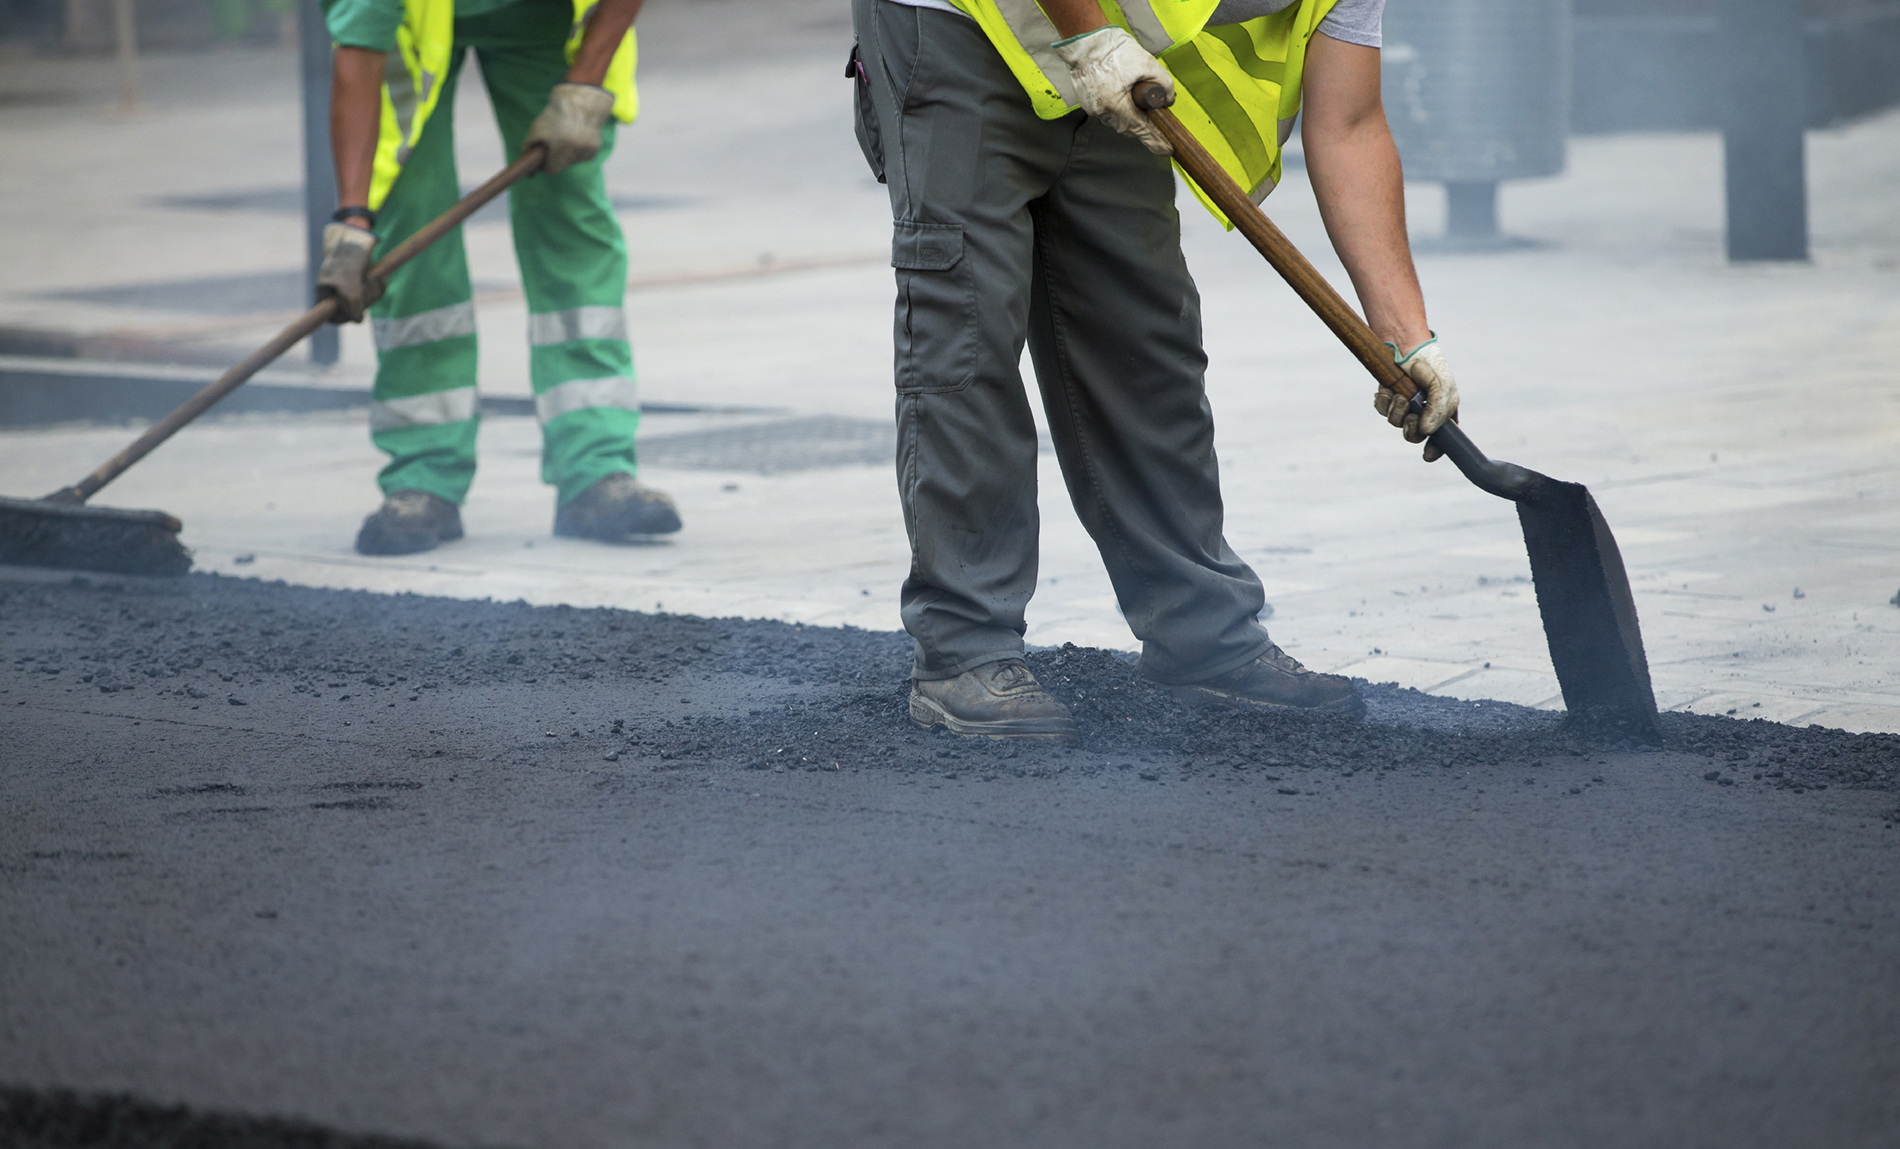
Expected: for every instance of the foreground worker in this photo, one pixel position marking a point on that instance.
(1033, 201)
(392, 129)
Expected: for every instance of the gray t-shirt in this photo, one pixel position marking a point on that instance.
(1354, 21)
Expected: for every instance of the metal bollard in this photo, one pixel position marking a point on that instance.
(1478, 92)
(125, 37)
(1764, 145)
(319, 171)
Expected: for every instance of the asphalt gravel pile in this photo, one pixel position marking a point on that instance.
(212, 638)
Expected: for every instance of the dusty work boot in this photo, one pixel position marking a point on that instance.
(1275, 681)
(615, 510)
(996, 700)
(408, 523)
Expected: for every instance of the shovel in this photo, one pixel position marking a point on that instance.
(60, 530)
(1583, 592)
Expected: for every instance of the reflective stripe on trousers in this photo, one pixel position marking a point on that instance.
(425, 327)
(617, 391)
(455, 405)
(577, 323)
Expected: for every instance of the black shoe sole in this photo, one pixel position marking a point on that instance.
(657, 521)
(380, 544)
(1352, 706)
(929, 715)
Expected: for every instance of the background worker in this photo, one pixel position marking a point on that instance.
(1032, 201)
(392, 121)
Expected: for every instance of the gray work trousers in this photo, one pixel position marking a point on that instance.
(1008, 227)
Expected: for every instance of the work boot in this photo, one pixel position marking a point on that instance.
(616, 510)
(1275, 681)
(996, 700)
(409, 522)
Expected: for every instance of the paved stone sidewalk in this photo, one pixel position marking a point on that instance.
(1738, 425)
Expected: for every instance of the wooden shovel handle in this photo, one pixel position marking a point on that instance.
(1286, 259)
(289, 337)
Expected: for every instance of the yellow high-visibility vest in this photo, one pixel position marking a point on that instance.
(412, 81)
(1237, 86)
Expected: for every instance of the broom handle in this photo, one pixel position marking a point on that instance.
(289, 337)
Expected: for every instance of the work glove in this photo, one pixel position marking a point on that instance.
(345, 271)
(570, 125)
(1106, 64)
(1432, 376)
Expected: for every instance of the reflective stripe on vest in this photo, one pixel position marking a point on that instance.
(456, 405)
(1237, 86)
(579, 394)
(413, 79)
(1146, 26)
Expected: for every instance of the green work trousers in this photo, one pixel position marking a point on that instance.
(573, 267)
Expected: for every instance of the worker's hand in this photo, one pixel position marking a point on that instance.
(1432, 375)
(570, 125)
(345, 271)
(1106, 65)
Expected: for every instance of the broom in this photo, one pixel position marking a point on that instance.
(60, 530)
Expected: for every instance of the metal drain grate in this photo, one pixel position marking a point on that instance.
(801, 444)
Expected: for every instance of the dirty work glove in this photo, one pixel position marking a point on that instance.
(1432, 375)
(1106, 64)
(570, 124)
(345, 271)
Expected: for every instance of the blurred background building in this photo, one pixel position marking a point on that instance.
(1483, 91)
(86, 27)
(1657, 65)
(1632, 64)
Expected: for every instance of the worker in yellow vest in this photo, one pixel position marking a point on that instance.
(1033, 202)
(559, 74)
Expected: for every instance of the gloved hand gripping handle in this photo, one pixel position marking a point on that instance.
(309, 321)
(1505, 480)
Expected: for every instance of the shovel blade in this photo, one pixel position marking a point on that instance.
(1583, 594)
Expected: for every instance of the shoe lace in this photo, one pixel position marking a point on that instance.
(1281, 660)
(1012, 674)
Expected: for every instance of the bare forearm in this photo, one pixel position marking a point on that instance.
(1355, 173)
(356, 113)
(1074, 17)
(1361, 193)
(605, 30)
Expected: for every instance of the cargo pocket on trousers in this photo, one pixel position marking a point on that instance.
(863, 115)
(936, 308)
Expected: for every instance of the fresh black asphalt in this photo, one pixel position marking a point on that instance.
(282, 866)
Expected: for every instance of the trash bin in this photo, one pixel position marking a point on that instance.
(1477, 91)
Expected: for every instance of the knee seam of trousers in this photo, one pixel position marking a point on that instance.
(907, 430)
